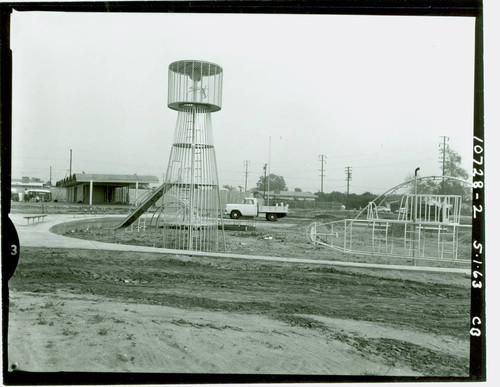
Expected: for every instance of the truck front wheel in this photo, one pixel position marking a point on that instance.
(272, 217)
(235, 214)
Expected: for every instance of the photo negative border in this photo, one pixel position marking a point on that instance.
(10, 243)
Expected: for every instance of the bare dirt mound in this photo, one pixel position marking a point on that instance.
(80, 310)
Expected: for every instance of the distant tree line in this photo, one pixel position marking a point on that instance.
(277, 183)
(354, 201)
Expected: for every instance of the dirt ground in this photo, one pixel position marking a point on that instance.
(81, 310)
(117, 311)
(284, 238)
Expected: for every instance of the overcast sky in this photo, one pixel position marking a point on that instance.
(374, 93)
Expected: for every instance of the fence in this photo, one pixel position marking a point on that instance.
(314, 205)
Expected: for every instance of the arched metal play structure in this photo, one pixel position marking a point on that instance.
(428, 226)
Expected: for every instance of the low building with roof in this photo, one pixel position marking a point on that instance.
(19, 185)
(21, 189)
(92, 188)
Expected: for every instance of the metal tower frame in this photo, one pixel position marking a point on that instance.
(191, 210)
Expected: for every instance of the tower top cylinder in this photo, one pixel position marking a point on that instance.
(194, 82)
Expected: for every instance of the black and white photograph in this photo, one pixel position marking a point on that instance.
(236, 196)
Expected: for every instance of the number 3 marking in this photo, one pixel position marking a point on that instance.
(13, 250)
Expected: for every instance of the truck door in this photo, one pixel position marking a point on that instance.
(249, 207)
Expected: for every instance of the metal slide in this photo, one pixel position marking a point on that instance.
(155, 196)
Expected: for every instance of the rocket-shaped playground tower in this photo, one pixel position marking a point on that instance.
(191, 201)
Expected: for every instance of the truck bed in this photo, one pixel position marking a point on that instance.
(273, 209)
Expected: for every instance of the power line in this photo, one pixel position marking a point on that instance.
(421, 149)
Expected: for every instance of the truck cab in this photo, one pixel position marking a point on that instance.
(248, 207)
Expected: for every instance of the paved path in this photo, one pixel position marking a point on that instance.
(38, 235)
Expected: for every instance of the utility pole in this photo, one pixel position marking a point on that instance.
(50, 177)
(70, 161)
(264, 182)
(415, 188)
(444, 149)
(246, 162)
(269, 170)
(348, 171)
(322, 159)
(414, 240)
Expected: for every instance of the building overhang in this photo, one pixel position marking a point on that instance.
(106, 179)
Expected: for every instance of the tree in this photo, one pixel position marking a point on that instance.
(423, 186)
(453, 165)
(297, 189)
(355, 200)
(361, 201)
(276, 183)
(453, 168)
(229, 187)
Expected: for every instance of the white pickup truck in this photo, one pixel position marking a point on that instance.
(250, 208)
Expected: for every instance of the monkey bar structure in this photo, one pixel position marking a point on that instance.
(427, 228)
(393, 238)
(430, 208)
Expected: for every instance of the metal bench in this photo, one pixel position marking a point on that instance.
(37, 217)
